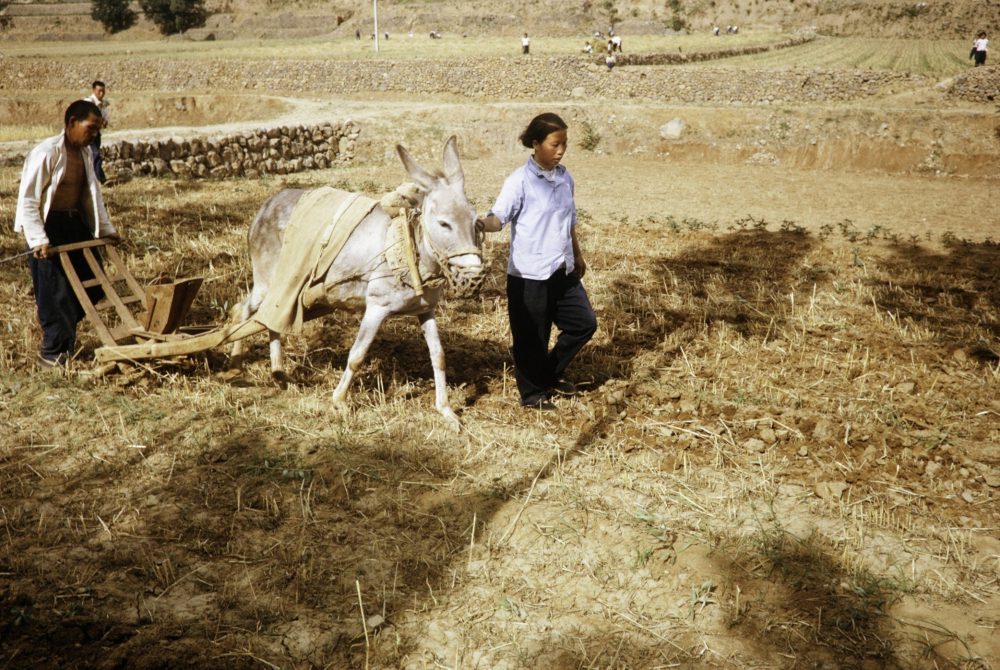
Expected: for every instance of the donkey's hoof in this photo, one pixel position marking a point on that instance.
(281, 378)
(451, 419)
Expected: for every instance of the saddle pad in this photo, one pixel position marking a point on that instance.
(317, 230)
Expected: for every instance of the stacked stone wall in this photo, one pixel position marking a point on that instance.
(981, 84)
(280, 150)
(701, 56)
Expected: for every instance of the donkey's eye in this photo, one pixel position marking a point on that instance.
(444, 224)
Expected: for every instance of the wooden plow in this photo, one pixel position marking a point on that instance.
(136, 323)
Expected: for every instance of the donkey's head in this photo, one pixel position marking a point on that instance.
(448, 220)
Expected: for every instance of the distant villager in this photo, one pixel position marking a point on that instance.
(979, 47)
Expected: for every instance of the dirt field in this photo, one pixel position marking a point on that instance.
(784, 453)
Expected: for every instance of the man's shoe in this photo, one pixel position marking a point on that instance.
(58, 361)
(542, 405)
(540, 402)
(564, 387)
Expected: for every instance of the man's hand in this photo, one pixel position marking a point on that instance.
(41, 252)
(113, 238)
(579, 266)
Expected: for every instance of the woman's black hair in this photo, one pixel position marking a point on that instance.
(540, 128)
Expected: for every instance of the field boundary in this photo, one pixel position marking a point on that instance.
(681, 58)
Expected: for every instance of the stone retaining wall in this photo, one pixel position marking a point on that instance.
(248, 154)
(981, 84)
(700, 56)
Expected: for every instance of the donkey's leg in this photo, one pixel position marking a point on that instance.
(370, 323)
(241, 313)
(429, 325)
(277, 359)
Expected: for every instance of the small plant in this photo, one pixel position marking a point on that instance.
(703, 596)
(642, 557)
(848, 231)
(873, 233)
(589, 137)
(789, 226)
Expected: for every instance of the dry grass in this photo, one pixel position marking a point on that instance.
(780, 459)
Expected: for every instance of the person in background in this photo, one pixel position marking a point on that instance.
(98, 91)
(59, 202)
(545, 266)
(979, 47)
(525, 44)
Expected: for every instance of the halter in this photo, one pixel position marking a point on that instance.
(403, 254)
(415, 219)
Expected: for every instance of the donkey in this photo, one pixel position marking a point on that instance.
(445, 242)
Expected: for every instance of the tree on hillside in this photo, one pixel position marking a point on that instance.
(114, 15)
(174, 16)
(611, 12)
(5, 21)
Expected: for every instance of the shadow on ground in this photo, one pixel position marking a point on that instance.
(956, 294)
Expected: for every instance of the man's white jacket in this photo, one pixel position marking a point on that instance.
(43, 169)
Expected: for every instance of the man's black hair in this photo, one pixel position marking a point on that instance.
(81, 110)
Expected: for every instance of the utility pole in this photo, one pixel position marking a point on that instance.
(375, 14)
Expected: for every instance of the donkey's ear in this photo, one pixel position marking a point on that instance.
(452, 165)
(420, 176)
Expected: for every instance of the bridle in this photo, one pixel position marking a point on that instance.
(443, 258)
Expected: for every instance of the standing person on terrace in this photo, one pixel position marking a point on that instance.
(545, 266)
(979, 46)
(59, 201)
(98, 91)
(525, 44)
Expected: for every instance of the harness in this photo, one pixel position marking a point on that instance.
(402, 253)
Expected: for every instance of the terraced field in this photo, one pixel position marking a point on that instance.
(925, 57)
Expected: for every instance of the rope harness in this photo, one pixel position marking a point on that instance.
(402, 253)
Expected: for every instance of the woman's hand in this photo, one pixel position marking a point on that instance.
(488, 224)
